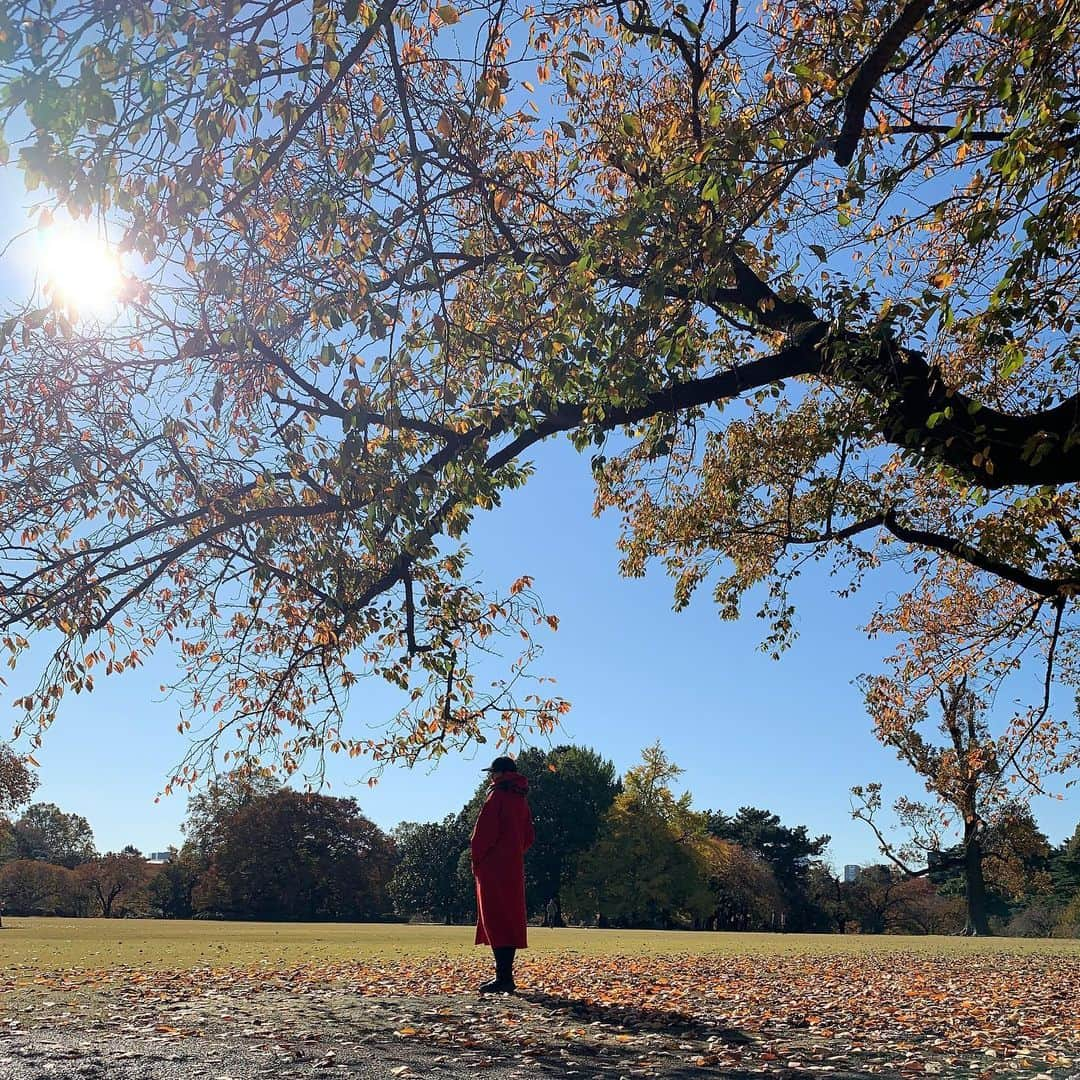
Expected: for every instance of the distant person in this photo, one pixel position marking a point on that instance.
(552, 915)
(503, 833)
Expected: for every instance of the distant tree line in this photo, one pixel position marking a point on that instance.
(611, 851)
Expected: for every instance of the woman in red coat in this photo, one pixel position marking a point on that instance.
(503, 833)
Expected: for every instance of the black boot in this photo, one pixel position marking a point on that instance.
(504, 969)
(503, 983)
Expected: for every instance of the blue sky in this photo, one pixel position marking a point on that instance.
(790, 736)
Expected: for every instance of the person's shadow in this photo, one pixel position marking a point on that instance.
(599, 1059)
(637, 1020)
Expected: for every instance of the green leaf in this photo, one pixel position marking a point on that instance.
(631, 125)
(1012, 359)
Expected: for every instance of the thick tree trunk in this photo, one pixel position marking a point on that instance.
(974, 884)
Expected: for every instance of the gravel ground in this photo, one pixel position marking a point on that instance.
(171, 1026)
(281, 1036)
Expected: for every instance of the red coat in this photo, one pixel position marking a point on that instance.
(503, 833)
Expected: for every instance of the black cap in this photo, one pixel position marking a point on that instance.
(502, 764)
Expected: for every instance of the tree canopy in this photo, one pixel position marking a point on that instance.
(645, 867)
(571, 788)
(803, 276)
(426, 880)
(788, 852)
(45, 832)
(288, 855)
(17, 782)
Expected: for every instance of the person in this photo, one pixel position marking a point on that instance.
(503, 833)
(552, 915)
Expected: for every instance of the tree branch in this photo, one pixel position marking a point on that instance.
(274, 159)
(870, 72)
(958, 549)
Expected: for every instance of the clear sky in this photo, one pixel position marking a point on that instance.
(790, 736)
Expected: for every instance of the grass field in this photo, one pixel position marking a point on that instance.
(55, 944)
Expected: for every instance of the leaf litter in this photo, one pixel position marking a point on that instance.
(897, 1015)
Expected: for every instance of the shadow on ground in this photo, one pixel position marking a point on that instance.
(637, 1021)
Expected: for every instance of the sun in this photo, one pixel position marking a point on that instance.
(81, 271)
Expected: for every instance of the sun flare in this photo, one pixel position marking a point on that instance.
(80, 270)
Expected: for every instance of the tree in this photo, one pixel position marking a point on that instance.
(466, 886)
(971, 775)
(883, 899)
(570, 790)
(289, 855)
(211, 809)
(825, 893)
(744, 889)
(637, 874)
(1016, 856)
(32, 887)
(788, 852)
(645, 868)
(44, 832)
(1068, 924)
(426, 880)
(1065, 866)
(114, 881)
(17, 783)
(378, 276)
(170, 892)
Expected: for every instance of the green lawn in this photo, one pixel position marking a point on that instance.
(52, 944)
